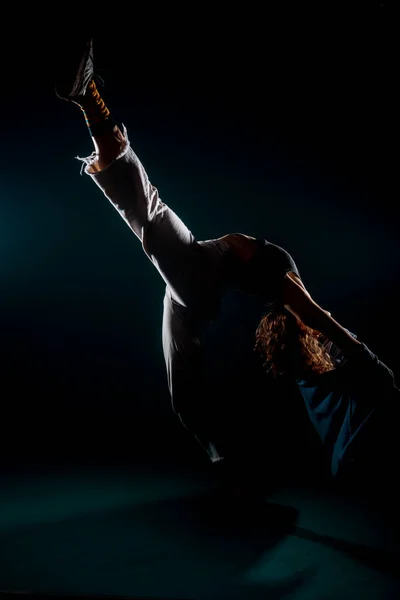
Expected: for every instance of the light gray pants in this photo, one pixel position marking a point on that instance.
(192, 271)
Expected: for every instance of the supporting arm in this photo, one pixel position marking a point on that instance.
(298, 301)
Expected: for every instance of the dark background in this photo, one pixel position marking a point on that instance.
(278, 125)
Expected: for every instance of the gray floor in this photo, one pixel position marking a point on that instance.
(160, 533)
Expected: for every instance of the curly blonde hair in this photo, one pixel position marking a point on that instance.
(290, 348)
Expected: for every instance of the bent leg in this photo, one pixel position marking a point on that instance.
(185, 373)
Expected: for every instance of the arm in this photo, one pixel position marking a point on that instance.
(298, 301)
(380, 378)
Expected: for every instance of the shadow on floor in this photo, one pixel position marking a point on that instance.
(196, 547)
(382, 560)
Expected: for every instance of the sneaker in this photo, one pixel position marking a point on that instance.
(75, 72)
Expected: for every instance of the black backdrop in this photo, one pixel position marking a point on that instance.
(275, 125)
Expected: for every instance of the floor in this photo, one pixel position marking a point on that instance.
(159, 532)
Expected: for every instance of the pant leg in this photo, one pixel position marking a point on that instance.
(166, 240)
(184, 266)
(372, 457)
(184, 362)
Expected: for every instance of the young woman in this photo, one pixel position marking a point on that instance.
(293, 337)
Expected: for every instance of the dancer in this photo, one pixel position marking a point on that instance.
(198, 273)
